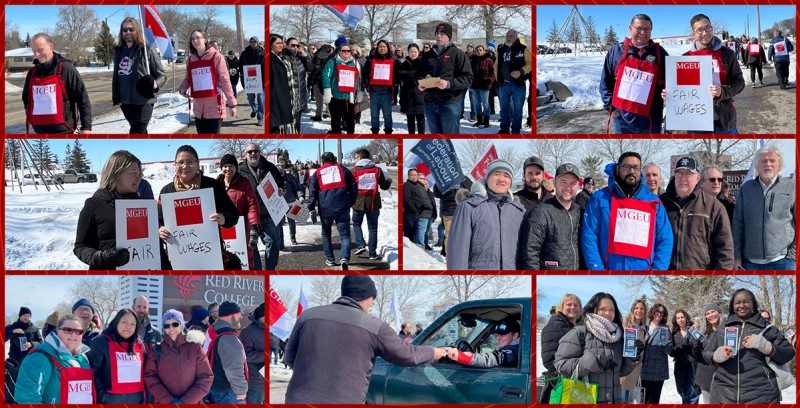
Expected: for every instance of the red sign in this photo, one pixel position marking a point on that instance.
(688, 73)
(479, 171)
(188, 211)
(269, 190)
(136, 223)
(228, 234)
(251, 72)
(779, 47)
(296, 210)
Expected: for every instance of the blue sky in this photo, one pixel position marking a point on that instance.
(32, 19)
(584, 286)
(39, 293)
(667, 20)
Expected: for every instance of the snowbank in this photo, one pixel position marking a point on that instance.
(416, 258)
(12, 89)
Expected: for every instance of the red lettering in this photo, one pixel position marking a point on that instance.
(639, 75)
(633, 215)
(80, 386)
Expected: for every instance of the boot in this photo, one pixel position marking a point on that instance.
(479, 122)
(375, 130)
(472, 116)
(486, 121)
(388, 131)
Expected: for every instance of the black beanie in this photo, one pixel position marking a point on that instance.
(228, 308)
(24, 310)
(446, 28)
(358, 287)
(228, 159)
(259, 312)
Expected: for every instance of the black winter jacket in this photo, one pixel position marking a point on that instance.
(531, 200)
(280, 94)
(224, 204)
(450, 64)
(549, 237)
(415, 198)
(233, 68)
(300, 66)
(704, 371)
(412, 100)
(264, 167)
(519, 60)
(558, 326)
(365, 202)
(318, 62)
(447, 200)
(366, 73)
(251, 56)
(124, 91)
(99, 361)
(32, 334)
(76, 93)
(252, 338)
(684, 361)
(582, 198)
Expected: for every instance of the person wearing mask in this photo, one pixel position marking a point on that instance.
(244, 199)
(232, 63)
(369, 178)
(682, 354)
(253, 339)
(487, 245)
(705, 371)
(227, 357)
(756, 58)
(636, 319)
(23, 335)
(281, 113)
(567, 314)
(533, 191)
(341, 83)
(333, 188)
(483, 77)
(178, 353)
(779, 49)
(512, 67)
(208, 84)
(117, 358)
(380, 74)
(412, 100)
(254, 55)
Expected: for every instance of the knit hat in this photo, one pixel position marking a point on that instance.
(341, 40)
(259, 312)
(228, 159)
(53, 318)
(711, 306)
(588, 180)
(199, 314)
(492, 44)
(359, 287)
(254, 38)
(228, 308)
(173, 314)
(447, 29)
(499, 165)
(82, 302)
(507, 326)
(419, 326)
(24, 311)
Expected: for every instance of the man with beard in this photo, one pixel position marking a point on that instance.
(701, 229)
(583, 196)
(23, 335)
(227, 358)
(652, 178)
(84, 310)
(549, 234)
(625, 226)
(513, 67)
(711, 183)
(533, 192)
(149, 335)
(507, 336)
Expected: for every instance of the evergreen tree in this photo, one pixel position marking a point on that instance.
(41, 148)
(68, 157)
(591, 166)
(104, 44)
(575, 36)
(592, 34)
(27, 39)
(611, 36)
(79, 161)
(691, 293)
(552, 34)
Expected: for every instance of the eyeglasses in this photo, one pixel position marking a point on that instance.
(660, 312)
(642, 29)
(628, 167)
(255, 42)
(197, 38)
(173, 325)
(706, 29)
(426, 48)
(128, 29)
(715, 179)
(70, 330)
(344, 50)
(293, 45)
(186, 164)
(253, 151)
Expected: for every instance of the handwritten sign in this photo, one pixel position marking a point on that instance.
(298, 212)
(276, 205)
(236, 240)
(253, 83)
(137, 230)
(689, 104)
(195, 240)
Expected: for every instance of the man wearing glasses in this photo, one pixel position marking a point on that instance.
(701, 230)
(625, 225)
(632, 75)
(711, 183)
(254, 55)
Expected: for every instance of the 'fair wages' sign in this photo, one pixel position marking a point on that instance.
(195, 240)
(689, 104)
(137, 230)
(253, 84)
(236, 241)
(275, 203)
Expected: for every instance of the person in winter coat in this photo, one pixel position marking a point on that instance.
(743, 376)
(254, 55)
(485, 228)
(756, 58)
(379, 76)
(550, 234)
(361, 60)
(682, 354)
(206, 75)
(299, 65)
(199, 320)
(134, 83)
(447, 207)
(232, 63)
(23, 335)
(274, 348)
(415, 202)
(227, 357)
(50, 325)
(253, 339)
(117, 358)
(625, 191)
(594, 349)
(506, 334)
(344, 334)
(412, 100)
(655, 368)
(635, 319)
(39, 380)
(779, 49)
(705, 372)
(333, 188)
(96, 239)
(293, 192)
(47, 66)
(281, 89)
(568, 313)
(315, 78)
(533, 191)
(244, 198)
(513, 67)
(341, 81)
(176, 370)
(582, 198)
(483, 78)
(432, 215)
(369, 178)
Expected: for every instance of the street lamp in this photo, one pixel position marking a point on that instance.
(108, 46)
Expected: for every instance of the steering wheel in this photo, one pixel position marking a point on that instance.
(463, 345)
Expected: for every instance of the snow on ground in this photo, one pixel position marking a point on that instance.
(416, 258)
(96, 68)
(12, 89)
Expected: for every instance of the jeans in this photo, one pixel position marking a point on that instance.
(512, 97)
(234, 82)
(259, 109)
(313, 217)
(464, 93)
(621, 126)
(784, 264)
(626, 395)
(420, 236)
(410, 224)
(480, 97)
(443, 118)
(380, 102)
(223, 397)
(255, 395)
(440, 232)
(473, 102)
(372, 228)
(271, 241)
(686, 389)
(343, 226)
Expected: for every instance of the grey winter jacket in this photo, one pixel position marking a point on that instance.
(507, 356)
(549, 237)
(656, 358)
(124, 90)
(484, 233)
(579, 341)
(230, 351)
(764, 225)
(745, 378)
(332, 350)
(558, 326)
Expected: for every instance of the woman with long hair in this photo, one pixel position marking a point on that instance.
(117, 357)
(568, 313)
(655, 368)
(243, 197)
(705, 371)
(636, 319)
(682, 353)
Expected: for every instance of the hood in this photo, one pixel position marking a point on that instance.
(365, 163)
(478, 189)
(53, 340)
(716, 44)
(339, 60)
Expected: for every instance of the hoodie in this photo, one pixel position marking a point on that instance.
(724, 112)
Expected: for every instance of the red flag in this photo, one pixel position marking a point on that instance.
(302, 304)
(479, 171)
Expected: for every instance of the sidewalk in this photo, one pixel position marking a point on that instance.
(241, 125)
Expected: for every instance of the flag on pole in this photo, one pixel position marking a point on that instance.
(281, 321)
(302, 304)
(479, 171)
(415, 162)
(751, 171)
(350, 15)
(395, 309)
(155, 32)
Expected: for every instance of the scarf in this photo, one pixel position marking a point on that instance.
(603, 329)
(179, 186)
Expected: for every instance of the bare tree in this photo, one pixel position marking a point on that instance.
(774, 293)
(13, 37)
(207, 16)
(237, 147)
(324, 290)
(307, 23)
(288, 297)
(470, 151)
(74, 31)
(514, 157)
(728, 154)
(611, 149)
(492, 19)
(103, 294)
(554, 152)
(461, 288)
(409, 291)
(380, 21)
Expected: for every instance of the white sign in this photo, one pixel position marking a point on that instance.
(689, 104)
(137, 230)
(298, 212)
(195, 240)
(385, 170)
(201, 79)
(382, 71)
(252, 79)
(275, 203)
(236, 240)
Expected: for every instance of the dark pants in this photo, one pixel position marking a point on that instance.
(255, 394)
(207, 126)
(234, 81)
(372, 227)
(271, 241)
(753, 69)
(410, 224)
(415, 123)
(343, 226)
(342, 110)
(782, 72)
(138, 116)
(223, 397)
(784, 264)
(652, 391)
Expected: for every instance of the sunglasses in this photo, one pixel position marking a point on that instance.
(253, 151)
(128, 29)
(660, 312)
(293, 45)
(173, 325)
(344, 50)
(69, 330)
(715, 180)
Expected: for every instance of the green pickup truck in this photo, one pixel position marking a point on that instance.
(468, 327)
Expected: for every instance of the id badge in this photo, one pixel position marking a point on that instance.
(630, 343)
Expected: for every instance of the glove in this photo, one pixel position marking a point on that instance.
(720, 356)
(112, 258)
(327, 95)
(607, 362)
(253, 237)
(759, 343)
(589, 364)
(639, 346)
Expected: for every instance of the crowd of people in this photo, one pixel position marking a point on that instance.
(344, 80)
(211, 359)
(55, 96)
(591, 342)
(632, 224)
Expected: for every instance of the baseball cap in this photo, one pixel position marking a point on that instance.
(687, 163)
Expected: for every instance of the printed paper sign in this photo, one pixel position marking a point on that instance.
(276, 205)
(44, 100)
(663, 336)
(732, 338)
(689, 104)
(137, 230)
(236, 240)
(347, 78)
(635, 85)
(382, 71)
(630, 343)
(732, 45)
(195, 241)
(385, 170)
(253, 83)
(201, 79)
(298, 212)
(129, 368)
(696, 333)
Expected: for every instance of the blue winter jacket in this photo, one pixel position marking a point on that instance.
(771, 53)
(292, 190)
(335, 201)
(38, 381)
(594, 232)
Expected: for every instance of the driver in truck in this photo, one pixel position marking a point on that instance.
(507, 335)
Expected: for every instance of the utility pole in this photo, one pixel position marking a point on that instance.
(758, 15)
(339, 150)
(239, 29)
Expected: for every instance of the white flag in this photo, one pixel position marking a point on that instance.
(398, 320)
